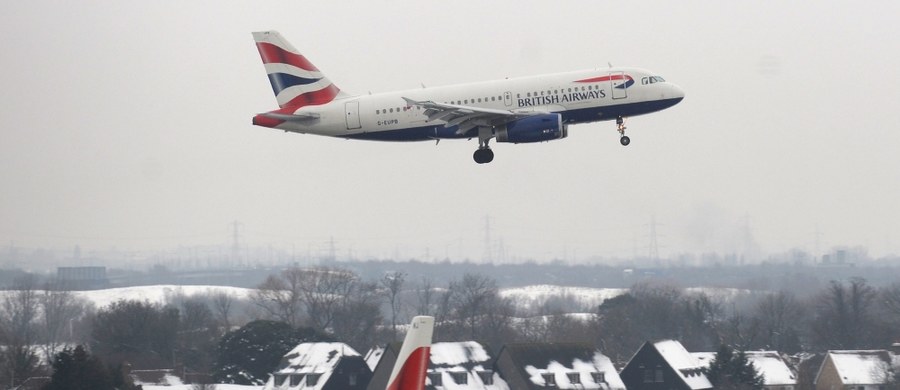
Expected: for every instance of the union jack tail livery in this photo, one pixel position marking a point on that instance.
(412, 362)
(295, 81)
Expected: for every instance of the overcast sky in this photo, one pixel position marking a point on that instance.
(127, 124)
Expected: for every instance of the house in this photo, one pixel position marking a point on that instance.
(777, 375)
(556, 366)
(856, 370)
(320, 366)
(456, 365)
(664, 365)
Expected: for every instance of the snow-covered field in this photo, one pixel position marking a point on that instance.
(530, 296)
(157, 294)
(527, 297)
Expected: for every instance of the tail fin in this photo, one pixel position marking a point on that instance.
(295, 81)
(412, 362)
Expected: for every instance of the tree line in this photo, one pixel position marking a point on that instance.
(210, 334)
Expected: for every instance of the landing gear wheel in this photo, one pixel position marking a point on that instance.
(483, 156)
(620, 127)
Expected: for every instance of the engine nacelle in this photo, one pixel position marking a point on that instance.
(537, 128)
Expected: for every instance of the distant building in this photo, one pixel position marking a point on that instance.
(556, 366)
(857, 370)
(664, 365)
(456, 365)
(82, 278)
(320, 366)
(777, 375)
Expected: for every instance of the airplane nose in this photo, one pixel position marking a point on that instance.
(677, 92)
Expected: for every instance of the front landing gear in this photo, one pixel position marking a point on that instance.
(483, 155)
(620, 126)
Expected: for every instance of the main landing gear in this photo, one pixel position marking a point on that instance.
(620, 126)
(484, 154)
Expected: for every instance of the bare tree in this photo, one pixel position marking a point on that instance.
(356, 319)
(323, 291)
(471, 296)
(18, 329)
(221, 308)
(392, 283)
(843, 317)
(60, 310)
(425, 295)
(280, 296)
(780, 316)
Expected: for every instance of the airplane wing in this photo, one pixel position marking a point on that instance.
(467, 117)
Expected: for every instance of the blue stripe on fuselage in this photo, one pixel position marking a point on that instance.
(593, 114)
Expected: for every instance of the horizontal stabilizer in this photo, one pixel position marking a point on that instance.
(298, 117)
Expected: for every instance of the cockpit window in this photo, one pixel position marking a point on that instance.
(652, 80)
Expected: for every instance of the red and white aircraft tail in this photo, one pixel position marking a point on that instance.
(412, 362)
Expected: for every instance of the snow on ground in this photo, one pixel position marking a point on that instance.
(158, 293)
(529, 297)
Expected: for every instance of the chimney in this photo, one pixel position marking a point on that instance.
(895, 348)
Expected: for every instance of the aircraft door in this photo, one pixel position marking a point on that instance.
(617, 85)
(507, 98)
(352, 110)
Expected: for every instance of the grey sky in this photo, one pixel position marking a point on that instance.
(127, 124)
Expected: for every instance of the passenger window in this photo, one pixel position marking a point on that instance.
(392, 110)
(493, 99)
(466, 101)
(570, 89)
(479, 100)
(529, 94)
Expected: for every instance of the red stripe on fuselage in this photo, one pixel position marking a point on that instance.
(272, 54)
(603, 78)
(412, 374)
(314, 98)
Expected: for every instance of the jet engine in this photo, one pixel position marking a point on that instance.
(536, 128)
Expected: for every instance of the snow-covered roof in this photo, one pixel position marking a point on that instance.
(374, 356)
(467, 358)
(866, 367)
(773, 368)
(566, 362)
(687, 367)
(316, 359)
(599, 364)
(459, 353)
(704, 358)
(768, 363)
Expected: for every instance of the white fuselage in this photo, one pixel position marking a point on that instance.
(579, 97)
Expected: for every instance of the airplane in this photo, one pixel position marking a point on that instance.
(412, 362)
(514, 110)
